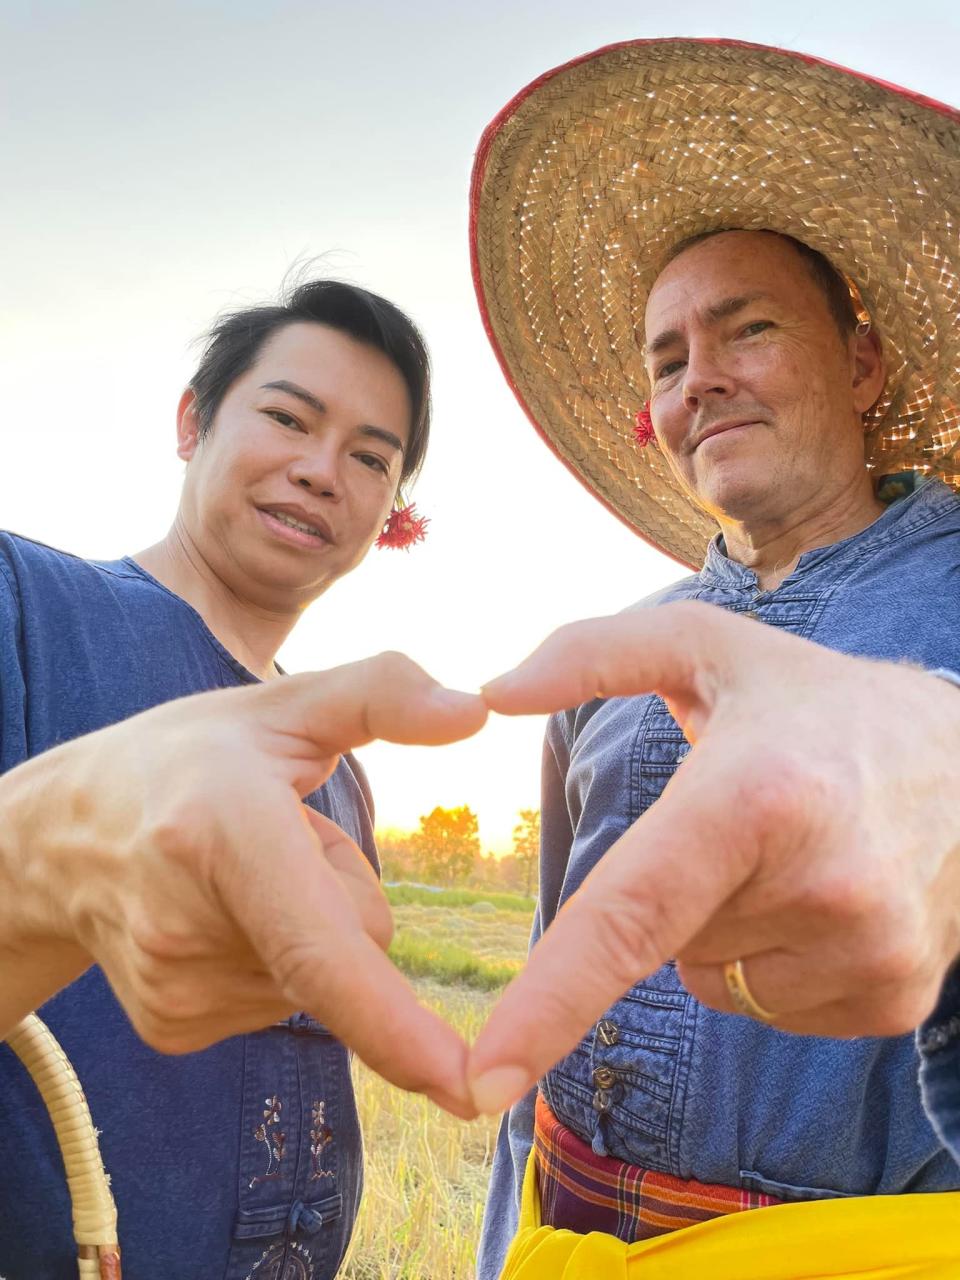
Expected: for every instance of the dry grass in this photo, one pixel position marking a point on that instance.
(426, 1172)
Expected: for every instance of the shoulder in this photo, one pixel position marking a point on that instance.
(47, 578)
(684, 589)
(25, 564)
(25, 560)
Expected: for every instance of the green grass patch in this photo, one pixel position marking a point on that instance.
(445, 962)
(400, 894)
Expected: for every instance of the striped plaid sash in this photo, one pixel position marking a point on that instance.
(585, 1192)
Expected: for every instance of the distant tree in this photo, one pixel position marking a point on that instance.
(397, 858)
(447, 846)
(526, 847)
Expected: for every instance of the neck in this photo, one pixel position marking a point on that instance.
(249, 632)
(772, 546)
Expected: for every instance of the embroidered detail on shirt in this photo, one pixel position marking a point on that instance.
(320, 1136)
(939, 1037)
(273, 1138)
(290, 1261)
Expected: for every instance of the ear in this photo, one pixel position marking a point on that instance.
(869, 370)
(188, 428)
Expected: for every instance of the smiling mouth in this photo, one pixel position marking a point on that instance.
(314, 532)
(713, 432)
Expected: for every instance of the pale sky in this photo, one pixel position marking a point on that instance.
(163, 162)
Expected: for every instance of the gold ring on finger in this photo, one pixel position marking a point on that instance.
(741, 994)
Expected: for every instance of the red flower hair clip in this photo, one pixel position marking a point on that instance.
(403, 528)
(643, 432)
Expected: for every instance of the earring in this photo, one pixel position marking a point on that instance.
(643, 433)
(403, 528)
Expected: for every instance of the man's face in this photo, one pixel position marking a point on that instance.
(298, 473)
(754, 399)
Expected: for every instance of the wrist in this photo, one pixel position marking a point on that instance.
(31, 846)
(37, 953)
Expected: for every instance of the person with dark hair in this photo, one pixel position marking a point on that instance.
(730, 1053)
(173, 848)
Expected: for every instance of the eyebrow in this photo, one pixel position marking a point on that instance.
(317, 405)
(715, 312)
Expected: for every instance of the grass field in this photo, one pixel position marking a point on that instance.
(426, 1172)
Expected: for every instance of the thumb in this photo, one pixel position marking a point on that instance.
(305, 722)
(687, 652)
(299, 918)
(356, 876)
(653, 891)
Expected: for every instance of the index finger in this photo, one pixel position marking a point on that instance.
(311, 719)
(682, 651)
(307, 932)
(653, 891)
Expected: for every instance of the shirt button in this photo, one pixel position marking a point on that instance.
(608, 1032)
(602, 1100)
(604, 1077)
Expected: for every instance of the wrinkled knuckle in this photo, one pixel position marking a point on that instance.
(897, 965)
(154, 1020)
(298, 970)
(166, 1035)
(784, 791)
(571, 638)
(173, 835)
(900, 1012)
(180, 1003)
(836, 900)
(154, 944)
(391, 664)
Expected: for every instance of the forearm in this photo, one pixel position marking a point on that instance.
(37, 955)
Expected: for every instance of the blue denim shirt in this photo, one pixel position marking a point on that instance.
(702, 1094)
(244, 1160)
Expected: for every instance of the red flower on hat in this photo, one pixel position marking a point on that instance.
(643, 432)
(403, 528)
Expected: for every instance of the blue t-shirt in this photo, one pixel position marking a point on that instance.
(243, 1160)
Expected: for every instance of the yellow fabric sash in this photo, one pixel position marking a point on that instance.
(909, 1237)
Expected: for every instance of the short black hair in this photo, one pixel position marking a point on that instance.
(832, 283)
(235, 340)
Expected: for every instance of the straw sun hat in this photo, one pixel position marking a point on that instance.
(588, 178)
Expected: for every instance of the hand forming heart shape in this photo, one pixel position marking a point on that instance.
(174, 850)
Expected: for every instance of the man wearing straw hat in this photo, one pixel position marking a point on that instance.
(722, 281)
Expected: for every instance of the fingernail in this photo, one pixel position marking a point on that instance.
(496, 1090)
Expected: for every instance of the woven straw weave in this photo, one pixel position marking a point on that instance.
(589, 177)
(94, 1211)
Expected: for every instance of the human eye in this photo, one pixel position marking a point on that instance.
(667, 369)
(756, 326)
(284, 419)
(374, 462)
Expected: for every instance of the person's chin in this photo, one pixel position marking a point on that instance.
(284, 576)
(733, 495)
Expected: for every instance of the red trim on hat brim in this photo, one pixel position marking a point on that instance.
(479, 169)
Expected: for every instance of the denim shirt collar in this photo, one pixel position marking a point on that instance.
(925, 503)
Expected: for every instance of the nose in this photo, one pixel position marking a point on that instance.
(705, 377)
(318, 469)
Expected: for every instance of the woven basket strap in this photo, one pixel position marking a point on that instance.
(94, 1212)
